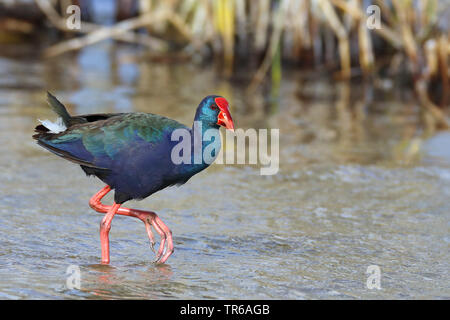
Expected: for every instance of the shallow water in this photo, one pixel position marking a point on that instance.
(362, 182)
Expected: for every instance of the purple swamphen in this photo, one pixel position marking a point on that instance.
(132, 154)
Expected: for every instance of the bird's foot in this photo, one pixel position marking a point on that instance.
(148, 228)
(148, 217)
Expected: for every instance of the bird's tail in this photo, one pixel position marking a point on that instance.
(59, 109)
(62, 123)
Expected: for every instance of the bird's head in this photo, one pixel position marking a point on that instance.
(214, 110)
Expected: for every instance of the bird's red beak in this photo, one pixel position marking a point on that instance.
(224, 117)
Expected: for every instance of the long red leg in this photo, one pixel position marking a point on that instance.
(148, 217)
(105, 226)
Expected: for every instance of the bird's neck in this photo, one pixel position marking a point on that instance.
(205, 142)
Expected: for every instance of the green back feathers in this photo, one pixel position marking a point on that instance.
(110, 136)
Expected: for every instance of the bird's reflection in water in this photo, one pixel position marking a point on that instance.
(109, 282)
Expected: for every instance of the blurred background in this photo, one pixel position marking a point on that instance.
(362, 105)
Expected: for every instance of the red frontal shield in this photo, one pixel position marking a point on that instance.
(224, 117)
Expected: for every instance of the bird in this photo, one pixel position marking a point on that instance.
(133, 154)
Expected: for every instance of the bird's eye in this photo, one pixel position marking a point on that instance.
(213, 107)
